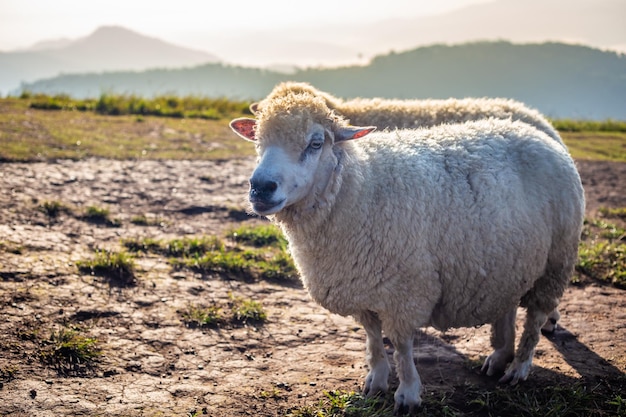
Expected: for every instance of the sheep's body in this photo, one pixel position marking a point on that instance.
(411, 114)
(450, 226)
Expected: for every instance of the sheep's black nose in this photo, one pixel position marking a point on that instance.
(262, 188)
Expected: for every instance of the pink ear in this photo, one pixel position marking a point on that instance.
(244, 127)
(352, 132)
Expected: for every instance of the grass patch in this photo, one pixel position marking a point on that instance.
(171, 127)
(571, 125)
(255, 253)
(202, 316)
(263, 235)
(162, 106)
(602, 146)
(611, 213)
(571, 400)
(241, 311)
(69, 352)
(100, 215)
(246, 311)
(604, 261)
(144, 220)
(602, 250)
(53, 208)
(119, 267)
(30, 134)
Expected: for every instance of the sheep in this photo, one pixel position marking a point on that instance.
(451, 226)
(399, 114)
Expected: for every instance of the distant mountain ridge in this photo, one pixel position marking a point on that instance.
(560, 80)
(109, 48)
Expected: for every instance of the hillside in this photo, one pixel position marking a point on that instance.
(560, 80)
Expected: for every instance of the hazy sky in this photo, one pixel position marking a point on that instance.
(187, 22)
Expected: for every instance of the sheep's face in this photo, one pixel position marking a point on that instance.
(293, 164)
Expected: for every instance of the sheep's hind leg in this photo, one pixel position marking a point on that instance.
(552, 323)
(503, 342)
(407, 396)
(378, 376)
(519, 369)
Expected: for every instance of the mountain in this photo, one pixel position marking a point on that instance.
(560, 80)
(109, 48)
(598, 23)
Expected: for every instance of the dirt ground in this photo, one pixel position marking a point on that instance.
(154, 365)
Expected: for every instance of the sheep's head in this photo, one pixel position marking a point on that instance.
(294, 136)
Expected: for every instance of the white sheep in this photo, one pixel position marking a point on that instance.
(450, 226)
(410, 114)
(406, 114)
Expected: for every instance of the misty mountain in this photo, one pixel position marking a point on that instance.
(560, 80)
(109, 48)
(598, 23)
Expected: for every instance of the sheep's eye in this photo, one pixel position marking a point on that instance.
(316, 144)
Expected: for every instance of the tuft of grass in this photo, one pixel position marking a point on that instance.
(100, 215)
(119, 267)
(147, 245)
(193, 246)
(603, 261)
(69, 352)
(53, 208)
(263, 235)
(345, 404)
(242, 311)
(143, 220)
(610, 213)
(202, 316)
(246, 311)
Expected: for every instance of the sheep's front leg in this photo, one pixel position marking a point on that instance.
(377, 378)
(503, 342)
(407, 396)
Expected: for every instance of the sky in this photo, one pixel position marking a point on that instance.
(187, 22)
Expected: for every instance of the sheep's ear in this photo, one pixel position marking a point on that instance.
(244, 127)
(254, 108)
(352, 132)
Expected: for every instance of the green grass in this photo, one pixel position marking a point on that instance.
(119, 267)
(100, 215)
(602, 250)
(604, 261)
(263, 235)
(241, 311)
(597, 146)
(53, 208)
(144, 220)
(256, 253)
(28, 134)
(162, 106)
(570, 125)
(527, 400)
(69, 352)
(171, 127)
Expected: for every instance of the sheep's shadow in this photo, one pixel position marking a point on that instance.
(441, 363)
(580, 357)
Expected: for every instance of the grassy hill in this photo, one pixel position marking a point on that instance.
(562, 81)
(39, 128)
